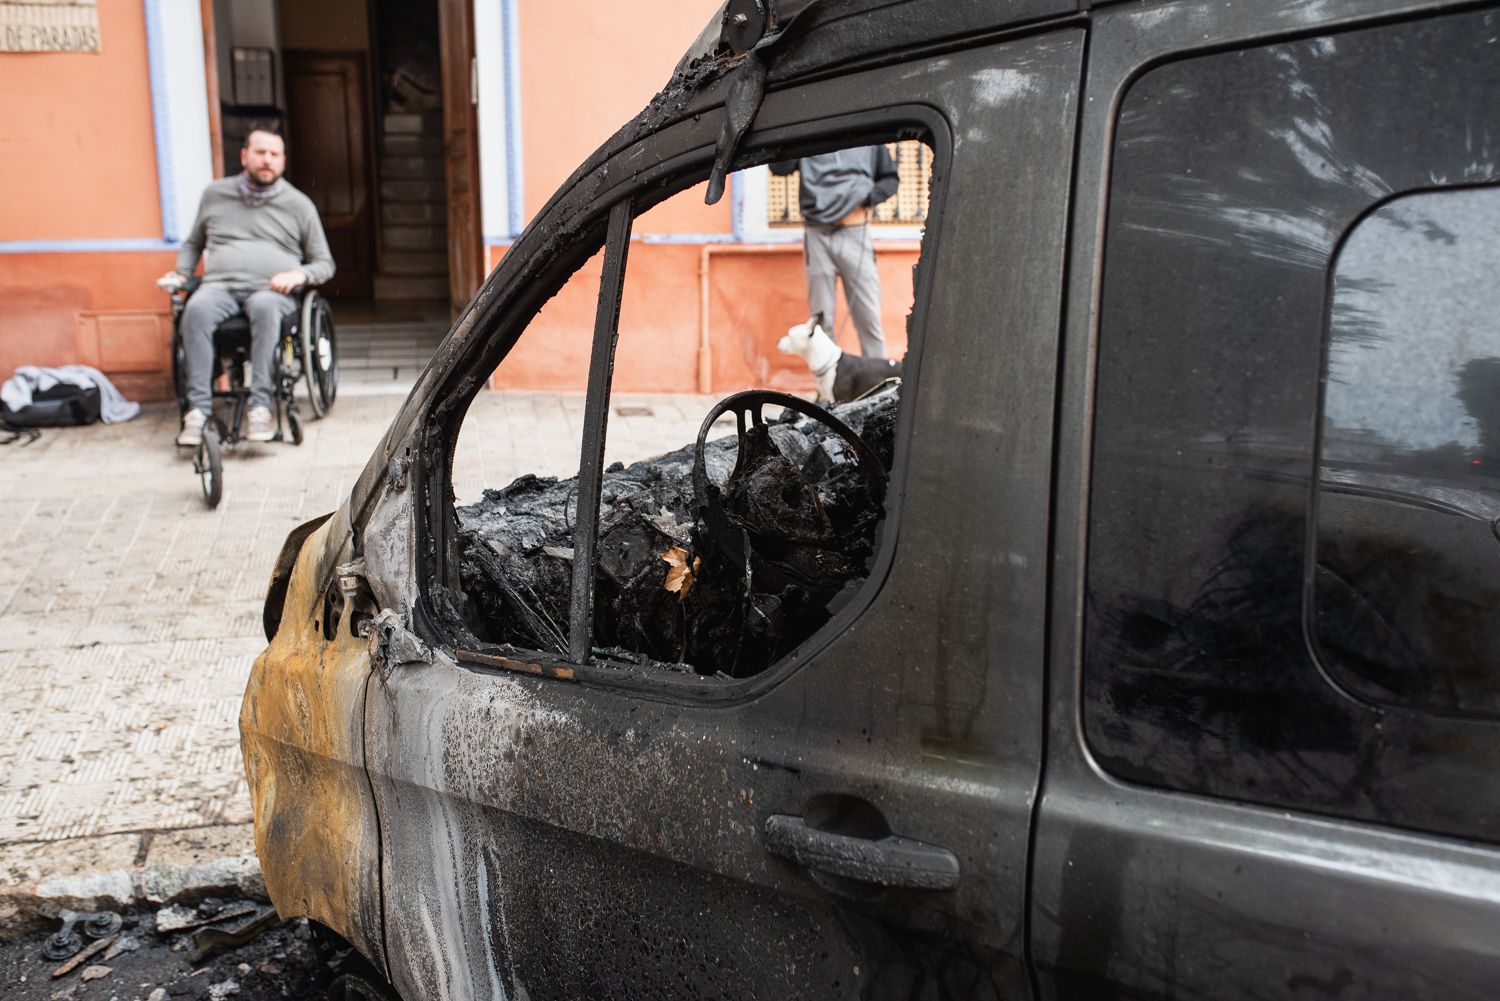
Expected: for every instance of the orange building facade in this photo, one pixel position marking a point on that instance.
(106, 152)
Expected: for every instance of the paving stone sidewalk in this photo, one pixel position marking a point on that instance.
(130, 614)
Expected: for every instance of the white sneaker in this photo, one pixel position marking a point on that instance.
(192, 427)
(258, 425)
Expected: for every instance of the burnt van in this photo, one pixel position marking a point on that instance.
(1142, 641)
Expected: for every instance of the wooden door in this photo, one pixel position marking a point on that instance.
(466, 264)
(328, 157)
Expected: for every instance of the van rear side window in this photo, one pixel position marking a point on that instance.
(1291, 567)
(1407, 579)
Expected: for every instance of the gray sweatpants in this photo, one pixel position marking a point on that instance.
(212, 305)
(846, 252)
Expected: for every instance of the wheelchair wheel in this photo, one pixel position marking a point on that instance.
(294, 422)
(326, 353)
(179, 368)
(319, 348)
(209, 466)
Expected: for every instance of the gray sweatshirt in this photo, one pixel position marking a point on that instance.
(831, 185)
(243, 247)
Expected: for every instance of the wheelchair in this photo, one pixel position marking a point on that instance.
(307, 353)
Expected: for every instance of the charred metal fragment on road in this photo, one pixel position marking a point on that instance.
(217, 936)
(726, 583)
(66, 942)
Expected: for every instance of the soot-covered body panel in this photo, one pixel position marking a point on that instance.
(302, 737)
(649, 885)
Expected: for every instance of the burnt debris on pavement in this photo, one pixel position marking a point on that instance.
(218, 949)
(729, 582)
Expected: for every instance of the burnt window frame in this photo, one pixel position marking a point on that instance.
(608, 224)
(1153, 740)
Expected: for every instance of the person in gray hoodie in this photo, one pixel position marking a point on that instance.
(837, 193)
(260, 240)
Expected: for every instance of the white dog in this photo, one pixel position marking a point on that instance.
(841, 377)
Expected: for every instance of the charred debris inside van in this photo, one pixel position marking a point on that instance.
(719, 581)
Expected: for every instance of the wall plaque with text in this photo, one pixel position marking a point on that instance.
(49, 26)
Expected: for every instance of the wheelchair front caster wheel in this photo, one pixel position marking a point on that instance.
(294, 425)
(210, 467)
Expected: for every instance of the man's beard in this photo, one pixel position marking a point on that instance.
(256, 182)
(255, 193)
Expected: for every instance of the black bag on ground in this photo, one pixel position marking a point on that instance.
(62, 405)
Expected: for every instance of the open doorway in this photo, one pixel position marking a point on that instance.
(375, 99)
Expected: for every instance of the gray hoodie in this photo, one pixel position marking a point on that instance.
(242, 247)
(831, 185)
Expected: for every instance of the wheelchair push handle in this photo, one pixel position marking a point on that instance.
(180, 290)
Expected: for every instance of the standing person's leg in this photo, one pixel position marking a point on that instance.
(855, 257)
(206, 308)
(265, 310)
(822, 294)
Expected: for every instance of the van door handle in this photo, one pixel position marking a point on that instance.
(887, 861)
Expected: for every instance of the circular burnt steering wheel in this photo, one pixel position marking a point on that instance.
(748, 408)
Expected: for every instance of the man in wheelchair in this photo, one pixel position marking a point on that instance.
(260, 240)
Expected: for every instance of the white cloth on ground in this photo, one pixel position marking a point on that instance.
(31, 379)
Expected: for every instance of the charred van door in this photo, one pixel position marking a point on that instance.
(1273, 769)
(854, 821)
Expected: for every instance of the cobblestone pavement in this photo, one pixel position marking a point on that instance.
(130, 614)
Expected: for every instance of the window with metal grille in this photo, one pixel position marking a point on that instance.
(907, 208)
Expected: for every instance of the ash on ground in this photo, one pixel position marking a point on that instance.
(799, 527)
(286, 961)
